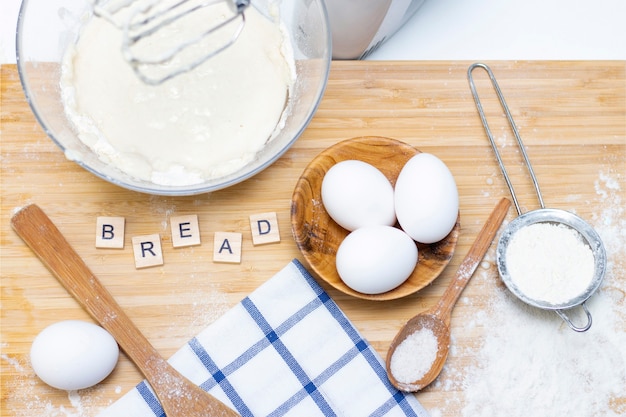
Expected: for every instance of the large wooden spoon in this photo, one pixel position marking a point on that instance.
(437, 319)
(178, 396)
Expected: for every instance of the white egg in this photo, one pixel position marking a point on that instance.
(376, 259)
(426, 199)
(357, 194)
(72, 355)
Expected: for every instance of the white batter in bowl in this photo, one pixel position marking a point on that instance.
(205, 130)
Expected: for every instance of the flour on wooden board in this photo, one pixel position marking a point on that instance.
(529, 362)
(31, 395)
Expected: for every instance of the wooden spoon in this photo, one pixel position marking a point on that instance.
(437, 319)
(178, 396)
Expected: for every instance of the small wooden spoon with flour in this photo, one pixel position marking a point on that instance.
(418, 352)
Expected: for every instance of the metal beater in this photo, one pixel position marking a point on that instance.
(141, 21)
(545, 215)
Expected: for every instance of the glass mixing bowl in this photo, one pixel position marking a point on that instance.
(46, 28)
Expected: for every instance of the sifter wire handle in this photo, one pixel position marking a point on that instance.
(483, 118)
(569, 322)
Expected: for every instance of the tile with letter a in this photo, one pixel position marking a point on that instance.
(185, 231)
(110, 232)
(227, 247)
(147, 251)
(264, 228)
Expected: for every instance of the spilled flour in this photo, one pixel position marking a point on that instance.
(35, 398)
(529, 363)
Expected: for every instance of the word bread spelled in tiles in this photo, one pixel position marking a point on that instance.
(185, 232)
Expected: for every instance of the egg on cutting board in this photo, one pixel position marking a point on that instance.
(426, 199)
(357, 194)
(73, 354)
(376, 259)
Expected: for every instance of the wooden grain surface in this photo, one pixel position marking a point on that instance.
(572, 116)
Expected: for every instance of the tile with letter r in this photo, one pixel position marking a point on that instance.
(110, 232)
(227, 247)
(147, 250)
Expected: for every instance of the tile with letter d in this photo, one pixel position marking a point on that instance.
(264, 228)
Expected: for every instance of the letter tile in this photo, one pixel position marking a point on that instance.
(227, 247)
(147, 251)
(110, 232)
(264, 228)
(185, 231)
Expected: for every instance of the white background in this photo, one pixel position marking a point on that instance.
(475, 30)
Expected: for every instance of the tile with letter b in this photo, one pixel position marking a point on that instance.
(110, 232)
(185, 231)
(227, 247)
(264, 228)
(147, 250)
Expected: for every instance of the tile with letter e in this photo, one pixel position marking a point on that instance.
(110, 232)
(264, 228)
(185, 231)
(227, 247)
(147, 250)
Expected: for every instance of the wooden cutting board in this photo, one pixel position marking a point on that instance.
(572, 116)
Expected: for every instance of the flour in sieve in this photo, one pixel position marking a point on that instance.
(550, 262)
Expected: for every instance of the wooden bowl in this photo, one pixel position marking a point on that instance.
(318, 236)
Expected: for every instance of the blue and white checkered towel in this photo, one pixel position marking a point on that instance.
(285, 350)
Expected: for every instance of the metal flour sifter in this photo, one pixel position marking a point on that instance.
(539, 216)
